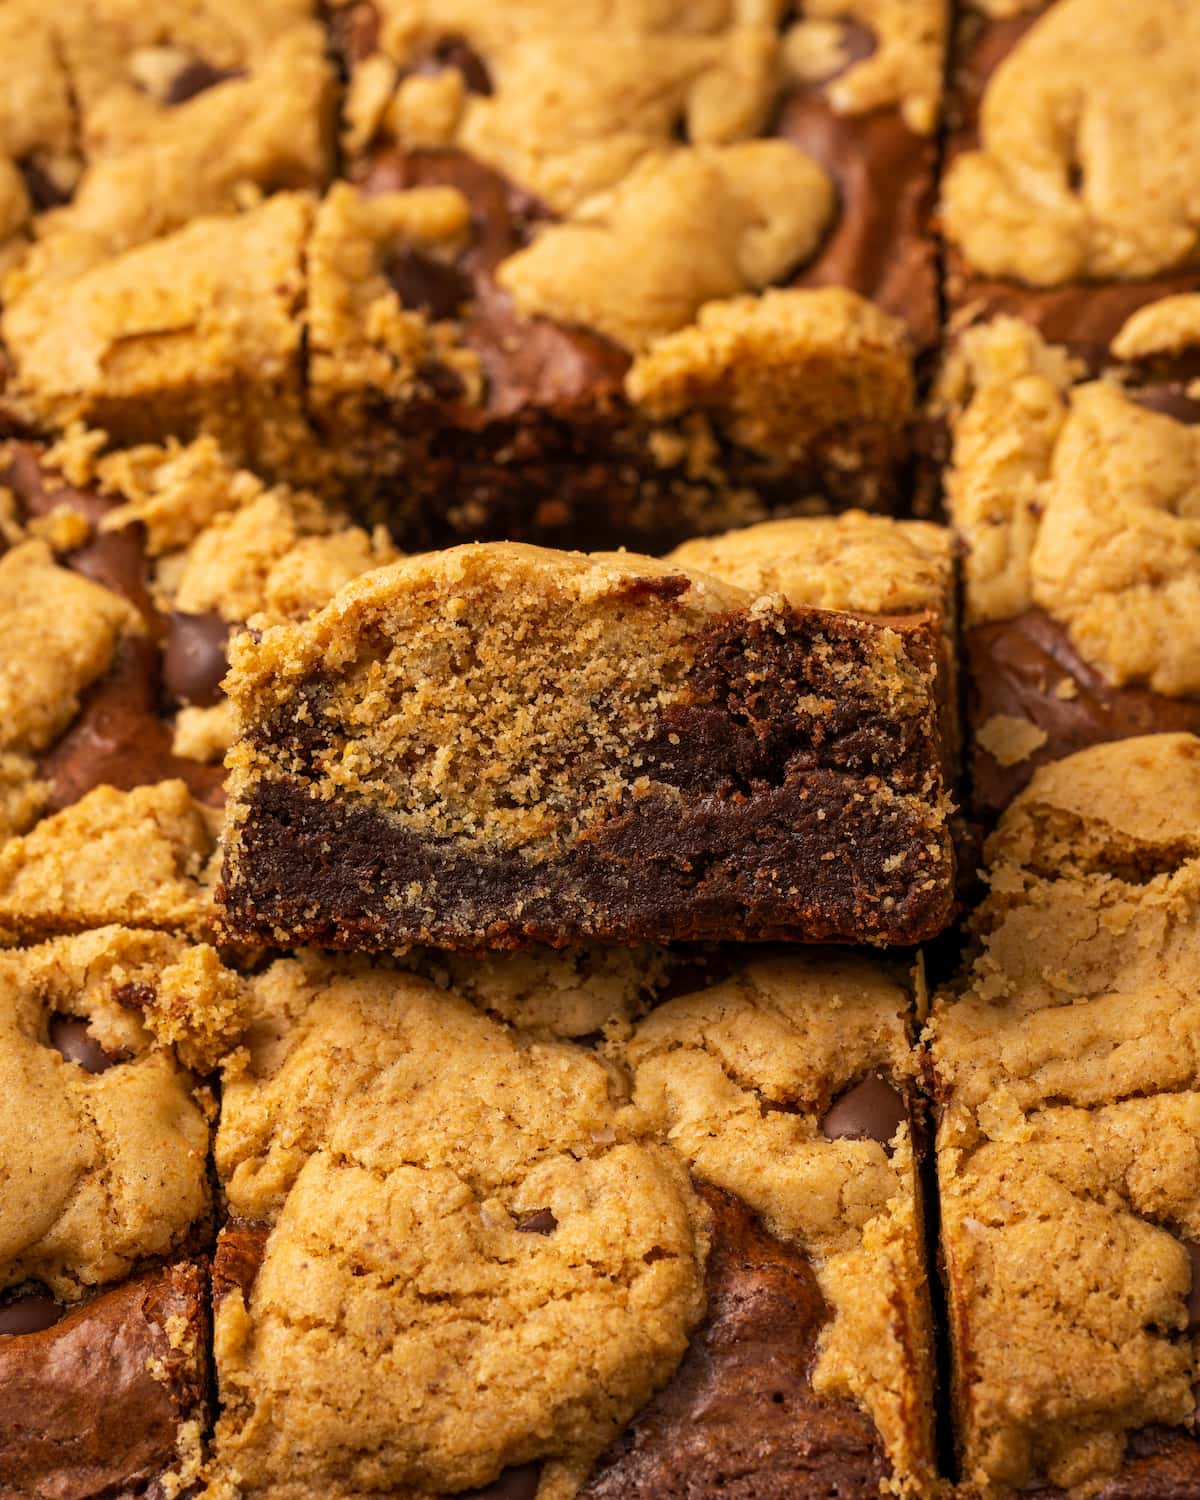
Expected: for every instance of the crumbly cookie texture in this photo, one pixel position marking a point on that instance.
(103, 1136)
(1067, 1065)
(60, 632)
(1087, 153)
(854, 561)
(1077, 500)
(633, 264)
(145, 858)
(528, 1252)
(200, 329)
(777, 371)
(393, 1142)
(361, 337)
(740, 1079)
(39, 156)
(218, 153)
(423, 721)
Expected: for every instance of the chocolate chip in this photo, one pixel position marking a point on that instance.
(117, 561)
(872, 1110)
(70, 1036)
(195, 77)
(356, 31)
(196, 658)
(540, 1221)
(457, 52)
(427, 285)
(1193, 1298)
(43, 191)
(520, 1483)
(29, 1312)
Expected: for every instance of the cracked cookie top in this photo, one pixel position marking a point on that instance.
(1067, 1066)
(103, 1134)
(509, 1222)
(1087, 157)
(1079, 500)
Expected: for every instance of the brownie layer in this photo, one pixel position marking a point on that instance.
(1084, 316)
(1018, 668)
(107, 1399)
(739, 1417)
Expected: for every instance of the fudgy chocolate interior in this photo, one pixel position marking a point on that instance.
(1015, 666)
(81, 1414)
(760, 794)
(739, 1418)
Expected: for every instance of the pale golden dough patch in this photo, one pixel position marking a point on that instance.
(1080, 501)
(155, 167)
(144, 858)
(97, 1171)
(904, 70)
(176, 327)
(793, 1032)
(1089, 157)
(778, 370)
(205, 734)
(579, 94)
(283, 554)
(395, 1138)
(1168, 326)
(1068, 1068)
(37, 118)
(633, 264)
(870, 564)
(22, 794)
(59, 632)
(1010, 739)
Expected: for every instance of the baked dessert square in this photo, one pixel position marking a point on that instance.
(468, 1257)
(584, 228)
(1066, 1065)
(500, 745)
(104, 1137)
(1067, 194)
(1077, 503)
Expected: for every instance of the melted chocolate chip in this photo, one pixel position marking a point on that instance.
(43, 191)
(872, 1110)
(195, 78)
(518, 1483)
(29, 1312)
(196, 658)
(540, 1221)
(1169, 401)
(457, 52)
(70, 1036)
(1193, 1299)
(427, 285)
(117, 737)
(117, 561)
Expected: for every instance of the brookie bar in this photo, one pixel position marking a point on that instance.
(1077, 505)
(1066, 1065)
(500, 745)
(1067, 198)
(466, 1258)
